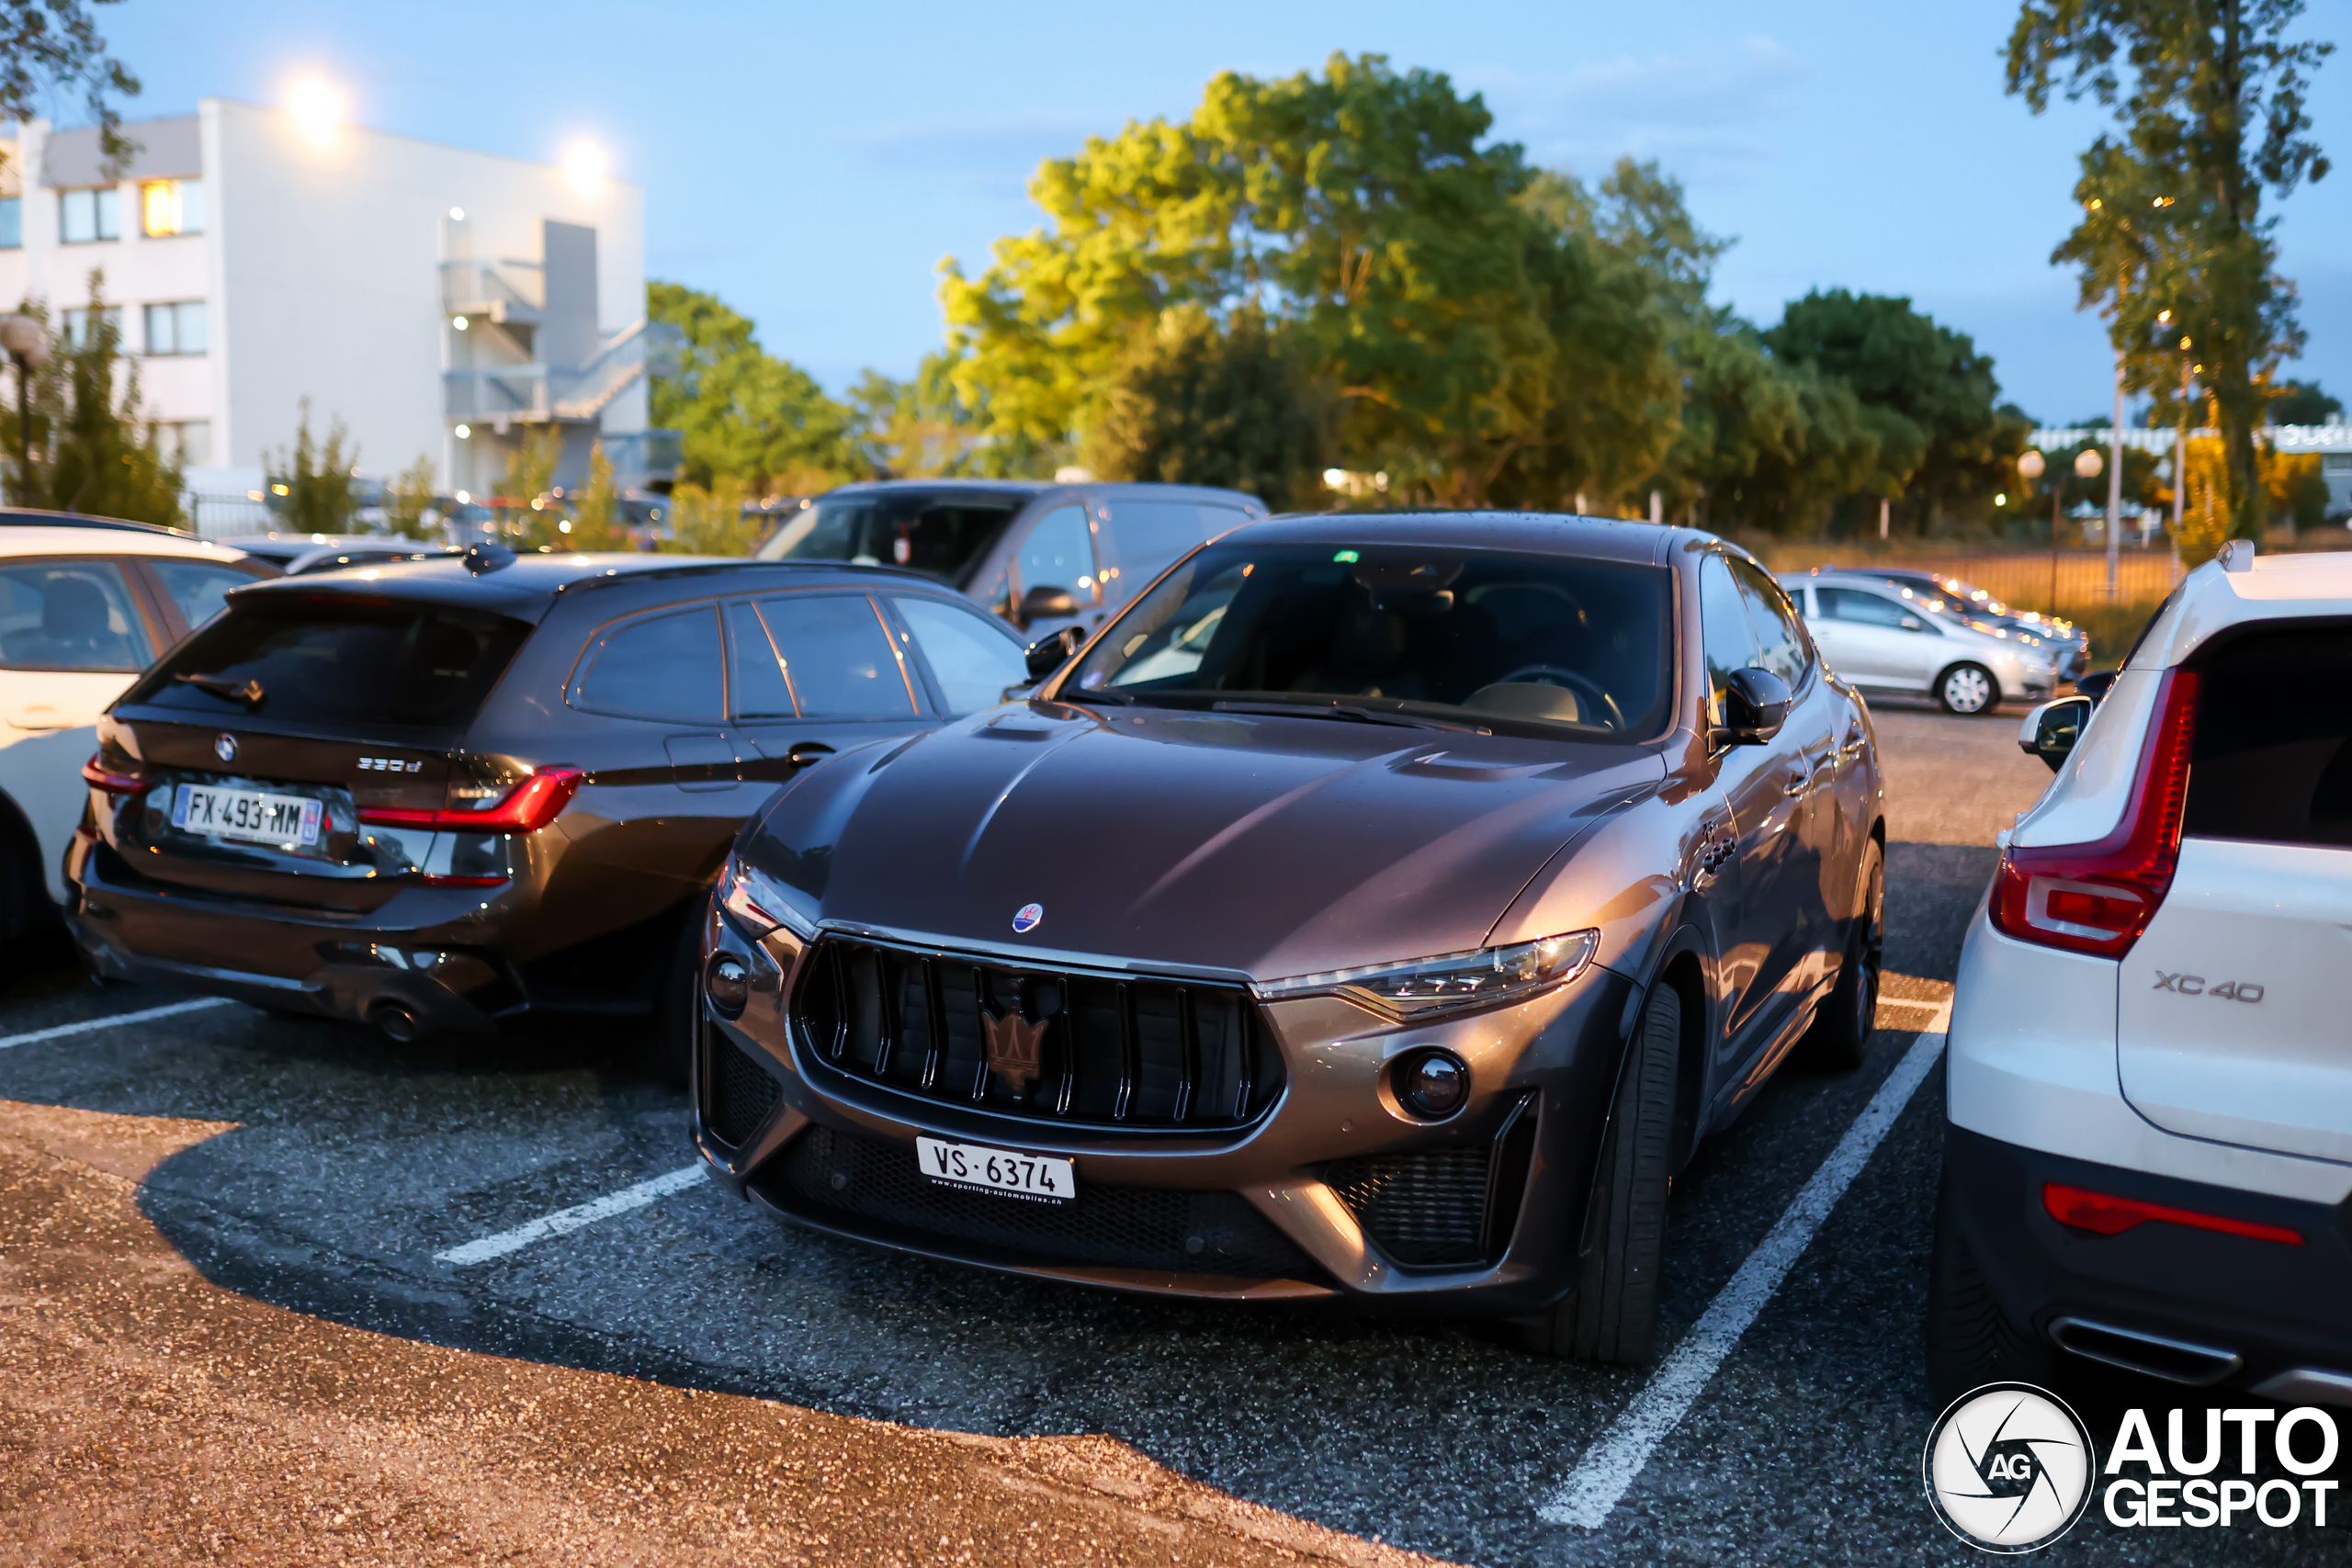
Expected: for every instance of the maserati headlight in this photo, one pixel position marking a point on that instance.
(761, 904)
(1452, 982)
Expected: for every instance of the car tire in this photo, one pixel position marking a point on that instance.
(1971, 1341)
(1612, 1316)
(669, 1046)
(1840, 1035)
(1968, 690)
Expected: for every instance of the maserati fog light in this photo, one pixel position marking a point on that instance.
(1432, 1084)
(728, 984)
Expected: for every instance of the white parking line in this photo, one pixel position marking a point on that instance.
(1609, 1467)
(114, 1021)
(564, 1221)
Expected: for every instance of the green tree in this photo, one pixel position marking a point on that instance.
(922, 429)
(1362, 209)
(710, 521)
(596, 520)
(1926, 395)
(1199, 402)
(741, 413)
(310, 486)
(407, 500)
(93, 449)
(46, 45)
(2302, 403)
(2173, 244)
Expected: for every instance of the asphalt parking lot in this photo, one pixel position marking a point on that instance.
(282, 1291)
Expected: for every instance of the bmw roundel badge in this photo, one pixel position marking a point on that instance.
(224, 746)
(1025, 918)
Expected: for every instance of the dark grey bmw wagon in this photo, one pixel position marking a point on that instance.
(1376, 907)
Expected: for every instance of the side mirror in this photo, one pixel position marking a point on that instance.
(1914, 623)
(1048, 604)
(1048, 654)
(1755, 704)
(2095, 685)
(2050, 730)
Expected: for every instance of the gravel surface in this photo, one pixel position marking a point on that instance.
(224, 1332)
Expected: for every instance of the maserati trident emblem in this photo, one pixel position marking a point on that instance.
(224, 746)
(1026, 917)
(1014, 1048)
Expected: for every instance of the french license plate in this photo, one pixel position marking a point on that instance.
(1038, 1177)
(250, 816)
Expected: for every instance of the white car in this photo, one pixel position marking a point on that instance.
(86, 604)
(1883, 636)
(2149, 1152)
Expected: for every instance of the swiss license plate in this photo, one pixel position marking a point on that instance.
(1038, 1177)
(249, 816)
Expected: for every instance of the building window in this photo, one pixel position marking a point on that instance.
(171, 207)
(187, 442)
(175, 328)
(84, 217)
(77, 324)
(12, 222)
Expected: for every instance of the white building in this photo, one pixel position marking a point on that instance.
(439, 303)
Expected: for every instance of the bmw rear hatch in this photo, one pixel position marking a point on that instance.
(300, 749)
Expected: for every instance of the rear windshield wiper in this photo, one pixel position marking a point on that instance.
(250, 692)
(1334, 710)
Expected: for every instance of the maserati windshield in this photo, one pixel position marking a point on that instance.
(1479, 637)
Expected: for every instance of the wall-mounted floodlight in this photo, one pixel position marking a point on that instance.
(584, 167)
(317, 108)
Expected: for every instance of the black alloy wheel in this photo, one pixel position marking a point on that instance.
(1971, 1341)
(1840, 1035)
(1612, 1316)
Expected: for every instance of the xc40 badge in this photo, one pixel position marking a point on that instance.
(2195, 986)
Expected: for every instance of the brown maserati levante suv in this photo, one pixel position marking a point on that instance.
(438, 795)
(1377, 907)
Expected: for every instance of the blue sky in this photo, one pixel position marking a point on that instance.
(812, 164)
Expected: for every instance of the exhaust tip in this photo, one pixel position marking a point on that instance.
(2174, 1361)
(397, 1024)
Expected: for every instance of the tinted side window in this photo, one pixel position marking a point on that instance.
(837, 656)
(971, 659)
(1854, 604)
(1784, 642)
(69, 615)
(1059, 553)
(1147, 536)
(755, 685)
(1730, 635)
(2273, 757)
(665, 666)
(198, 588)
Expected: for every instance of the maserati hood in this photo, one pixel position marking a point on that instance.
(1268, 845)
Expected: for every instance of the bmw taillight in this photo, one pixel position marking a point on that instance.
(2097, 897)
(526, 808)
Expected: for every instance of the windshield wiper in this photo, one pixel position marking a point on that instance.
(249, 694)
(1334, 710)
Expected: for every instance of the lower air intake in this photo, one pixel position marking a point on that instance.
(740, 1092)
(871, 1188)
(1449, 1208)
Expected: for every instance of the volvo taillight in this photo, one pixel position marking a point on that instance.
(2097, 897)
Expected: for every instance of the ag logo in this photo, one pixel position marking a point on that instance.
(2010, 1467)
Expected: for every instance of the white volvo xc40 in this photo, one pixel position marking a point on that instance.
(2149, 1153)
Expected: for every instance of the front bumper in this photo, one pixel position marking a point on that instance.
(1331, 1193)
(428, 951)
(2194, 1305)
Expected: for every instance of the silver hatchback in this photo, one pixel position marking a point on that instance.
(1883, 636)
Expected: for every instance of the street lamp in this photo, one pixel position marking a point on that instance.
(27, 343)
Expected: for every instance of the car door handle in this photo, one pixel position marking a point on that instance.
(803, 752)
(39, 716)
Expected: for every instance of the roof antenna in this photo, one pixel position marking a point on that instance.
(482, 559)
